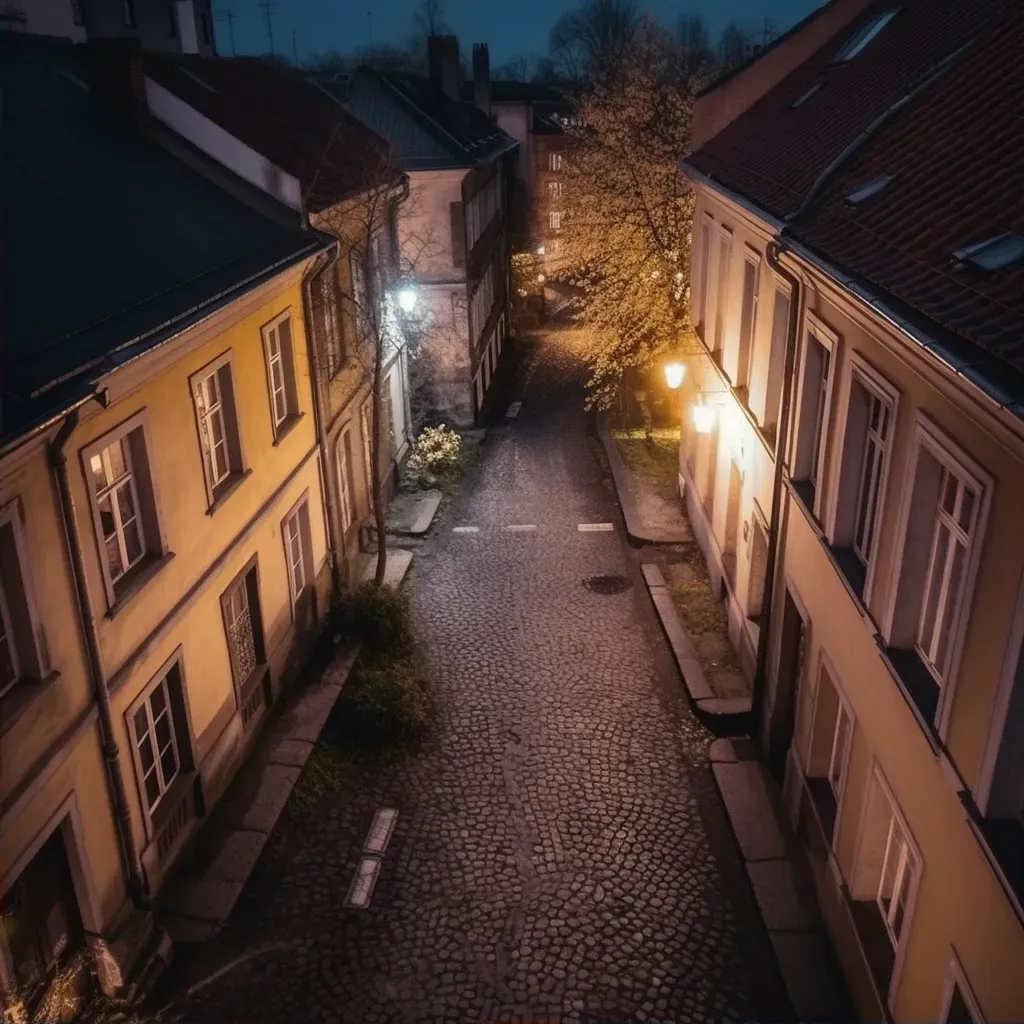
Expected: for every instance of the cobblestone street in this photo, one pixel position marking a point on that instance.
(560, 854)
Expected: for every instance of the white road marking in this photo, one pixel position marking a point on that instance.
(383, 825)
(524, 528)
(595, 527)
(465, 529)
(361, 889)
(513, 410)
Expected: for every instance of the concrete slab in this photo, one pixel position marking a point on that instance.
(272, 790)
(304, 721)
(237, 856)
(745, 796)
(678, 639)
(399, 560)
(811, 976)
(412, 513)
(725, 705)
(289, 752)
(652, 574)
(721, 750)
(204, 899)
(186, 931)
(782, 902)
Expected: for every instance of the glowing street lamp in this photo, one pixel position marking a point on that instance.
(703, 418)
(407, 299)
(540, 250)
(674, 374)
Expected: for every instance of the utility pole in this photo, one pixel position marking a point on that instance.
(295, 51)
(229, 17)
(268, 10)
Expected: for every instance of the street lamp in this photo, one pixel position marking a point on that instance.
(540, 250)
(674, 374)
(407, 299)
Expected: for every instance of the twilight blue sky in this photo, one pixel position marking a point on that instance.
(511, 27)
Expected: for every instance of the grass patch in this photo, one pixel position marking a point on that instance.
(324, 773)
(654, 460)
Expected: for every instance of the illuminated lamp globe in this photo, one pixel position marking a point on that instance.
(674, 374)
(407, 299)
(703, 418)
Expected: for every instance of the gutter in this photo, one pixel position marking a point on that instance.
(135, 877)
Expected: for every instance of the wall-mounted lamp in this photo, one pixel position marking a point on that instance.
(407, 299)
(540, 250)
(674, 374)
(703, 418)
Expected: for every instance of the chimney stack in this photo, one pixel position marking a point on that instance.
(443, 62)
(482, 77)
(117, 79)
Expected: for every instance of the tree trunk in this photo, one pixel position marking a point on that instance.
(379, 512)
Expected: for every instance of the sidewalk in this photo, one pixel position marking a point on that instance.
(781, 882)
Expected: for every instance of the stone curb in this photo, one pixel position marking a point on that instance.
(722, 714)
(635, 529)
(194, 909)
(780, 884)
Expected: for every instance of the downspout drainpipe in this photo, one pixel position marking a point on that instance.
(319, 417)
(774, 250)
(134, 874)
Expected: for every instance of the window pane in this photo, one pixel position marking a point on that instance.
(125, 502)
(162, 727)
(169, 763)
(133, 542)
(958, 1013)
(118, 460)
(141, 724)
(107, 517)
(956, 572)
(966, 510)
(158, 701)
(99, 475)
(937, 571)
(950, 485)
(221, 461)
(146, 754)
(115, 563)
(7, 672)
(152, 788)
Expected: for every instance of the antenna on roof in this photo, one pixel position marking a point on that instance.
(268, 10)
(229, 16)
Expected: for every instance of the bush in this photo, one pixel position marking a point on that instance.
(436, 450)
(377, 618)
(386, 704)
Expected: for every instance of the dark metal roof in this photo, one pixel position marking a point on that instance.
(425, 129)
(111, 244)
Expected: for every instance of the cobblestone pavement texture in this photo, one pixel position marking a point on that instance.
(560, 852)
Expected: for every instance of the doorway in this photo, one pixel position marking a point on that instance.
(792, 654)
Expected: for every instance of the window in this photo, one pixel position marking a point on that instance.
(204, 22)
(722, 297)
(457, 218)
(993, 253)
(863, 36)
(841, 738)
(214, 394)
(277, 341)
(156, 742)
(867, 190)
(124, 505)
(298, 550)
(894, 882)
(243, 630)
(704, 272)
(327, 325)
(772, 398)
(863, 469)
(554, 189)
(958, 1004)
(346, 487)
(748, 318)
(554, 161)
(365, 426)
(21, 657)
(812, 412)
(555, 221)
(828, 753)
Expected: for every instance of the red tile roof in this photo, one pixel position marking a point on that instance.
(285, 118)
(954, 152)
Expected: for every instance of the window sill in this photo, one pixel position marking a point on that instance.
(853, 571)
(874, 943)
(804, 490)
(918, 687)
(289, 424)
(170, 801)
(226, 489)
(130, 585)
(1002, 842)
(825, 806)
(21, 697)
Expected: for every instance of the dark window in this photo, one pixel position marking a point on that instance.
(172, 22)
(129, 13)
(458, 219)
(204, 21)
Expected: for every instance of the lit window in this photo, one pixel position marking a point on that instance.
(214, 393)
(298, 550)
(554, 189)
(804, 97)
(993, 253)
(156, 742)
(555, 221)
(281, 364)
(117, 500)
(554, 161)
(867, 190)
(860, 39)
(894, 883)
(345, 485)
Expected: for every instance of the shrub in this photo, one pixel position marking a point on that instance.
(386, 704)
(436, 450)
(377, 618)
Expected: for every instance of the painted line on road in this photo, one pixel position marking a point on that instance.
(595, 527)
(465, 529)
(522, 528)
(382, 826)
(365, 878)
(513, 411)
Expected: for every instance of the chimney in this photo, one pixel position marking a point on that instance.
(482, 77)
(117, 80)
(443, 62)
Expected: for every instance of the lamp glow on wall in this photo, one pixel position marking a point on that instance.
(703, 418)
(674, 374)
(407, 299)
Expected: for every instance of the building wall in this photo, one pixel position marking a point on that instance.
(542, 202)
(515, 120)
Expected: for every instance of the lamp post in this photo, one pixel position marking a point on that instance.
(675, 372)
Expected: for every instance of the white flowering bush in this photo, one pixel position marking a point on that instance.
(434, 451)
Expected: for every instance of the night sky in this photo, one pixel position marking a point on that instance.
(511, 27)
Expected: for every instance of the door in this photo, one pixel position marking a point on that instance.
(41, 923)
(792, 652)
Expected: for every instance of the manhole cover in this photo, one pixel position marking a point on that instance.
(607, 584)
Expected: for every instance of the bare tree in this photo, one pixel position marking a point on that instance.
(515, 69)
(696, 54)
(589, 40)
(734, 46)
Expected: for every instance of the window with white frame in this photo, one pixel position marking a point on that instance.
(123, 498)
(298, 549)
(958, 1004)
(554, 161)
(554, 189)
(724, 269)
(770, 400)
(366, 428)
(160, 737)
(346, 487)
(555, 220)
(828, 753)
(214, 394)
(943, 516)
(813, 406)
(864, 452)
(748, 318)
(243, 626)
(277, 342)
(21, 657)
(704, 255)
(328, 327)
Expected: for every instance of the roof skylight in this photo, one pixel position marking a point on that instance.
(860, 39)
(804, 97)
(994, 253)
(867, 190)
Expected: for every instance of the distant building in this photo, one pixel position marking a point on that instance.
(854, 473)
(173, 26)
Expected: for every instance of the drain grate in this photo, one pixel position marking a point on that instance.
(607, 584)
